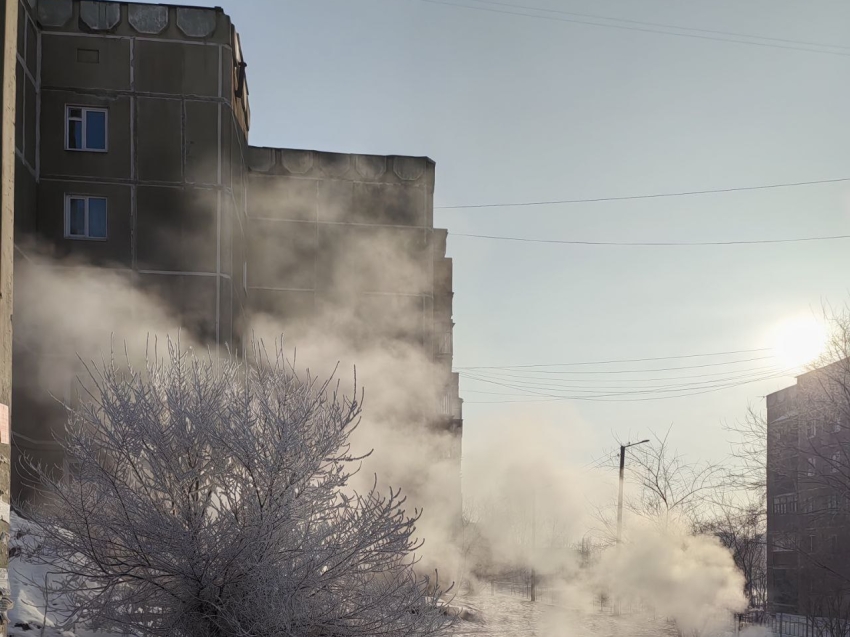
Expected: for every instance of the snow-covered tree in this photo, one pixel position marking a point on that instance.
(210, 497)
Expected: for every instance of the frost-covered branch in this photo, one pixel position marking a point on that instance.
(210, 497)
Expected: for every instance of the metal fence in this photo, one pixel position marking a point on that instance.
(550, 595)
(785, 625)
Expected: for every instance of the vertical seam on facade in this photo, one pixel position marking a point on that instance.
(315, 284)
(38, 107)
(134, 206)
(134, 215)
(22, 61)
(218, 272)
(218, 214)
(184, 142)
(220, 71)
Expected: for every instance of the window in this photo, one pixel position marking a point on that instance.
(832, 503)
(446, 404)
(85, 129)
(85, 217)
(807, 505)
(811, 429)
(833, 544)
(445, 343)
(811, 467)
(836, 462)
(88, 56)
(785, 503)
(784, 542)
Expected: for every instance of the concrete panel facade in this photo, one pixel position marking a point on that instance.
(218, 230)
(173, 172)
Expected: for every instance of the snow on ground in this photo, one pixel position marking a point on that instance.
(31, 612)
(506, 616)
(491, 616)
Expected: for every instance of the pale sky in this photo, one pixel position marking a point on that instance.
(515, 108)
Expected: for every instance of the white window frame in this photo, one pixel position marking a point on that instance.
(87, 199)
(84, 110)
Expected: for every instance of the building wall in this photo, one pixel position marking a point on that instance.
(215, 228)
(172, 174)
(348, 242)
(166, 76)
(10, 46)
(782, 500)
(808, 521)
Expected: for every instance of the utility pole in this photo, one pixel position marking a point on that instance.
(622, 480)
(8, 46)
(533, 544)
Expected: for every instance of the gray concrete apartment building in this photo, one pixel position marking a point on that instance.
(133, 153)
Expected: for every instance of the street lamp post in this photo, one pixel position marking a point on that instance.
(533, 544)
(622, 476)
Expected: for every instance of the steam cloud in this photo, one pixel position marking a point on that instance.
(525, 470)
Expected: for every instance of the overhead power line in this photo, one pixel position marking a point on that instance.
(559, 376)
(651, 244)
(623, 360)
(611, 385)
(662, 25)
(533, 378)
(603, 391)
(620, 398)
(686, 193)
(774, 43)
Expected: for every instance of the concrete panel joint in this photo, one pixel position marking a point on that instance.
(297, 161)
(409, 168)
(196, 23)
(370, 166)
(260, 159)
(100, 16)
(146, 18)
(334, 164)
(55, 13)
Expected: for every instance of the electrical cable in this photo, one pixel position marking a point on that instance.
(658, 195)
(662, 25)
(823, 50)
(568, 384)
(624, 360)
(616, 391)
(652, 244)
(602, 399)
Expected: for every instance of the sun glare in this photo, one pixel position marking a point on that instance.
(798, 342)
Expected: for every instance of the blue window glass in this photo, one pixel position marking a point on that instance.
(97, 218)
(77, 217)
(95, 130)
(75, 133)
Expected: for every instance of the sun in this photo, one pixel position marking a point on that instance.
(798, 342)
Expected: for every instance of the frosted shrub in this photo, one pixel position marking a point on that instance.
(209, 497)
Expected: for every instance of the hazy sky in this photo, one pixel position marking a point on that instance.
(516, 108)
